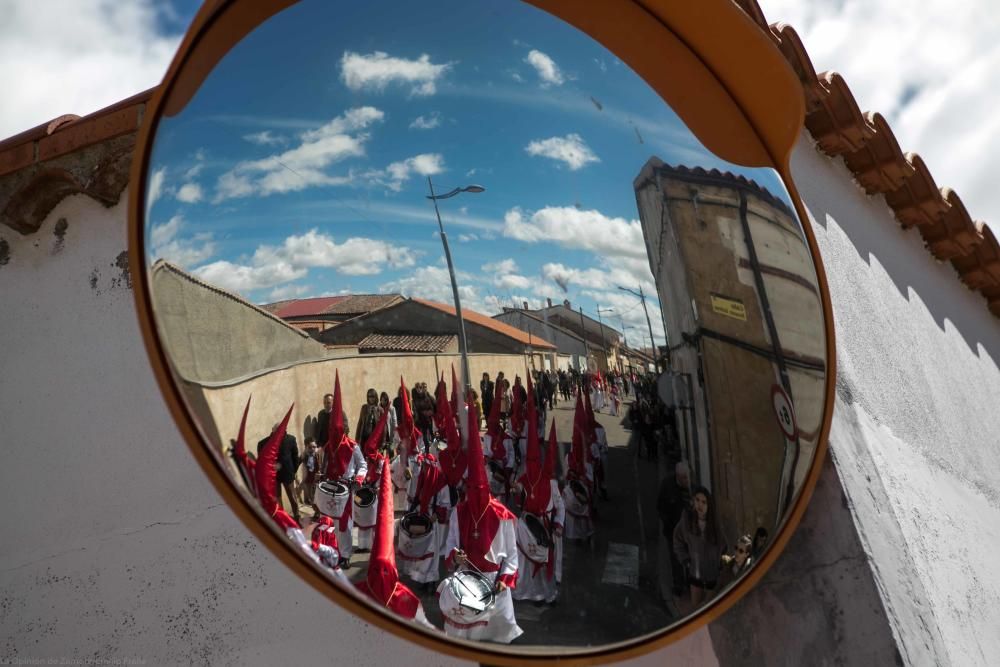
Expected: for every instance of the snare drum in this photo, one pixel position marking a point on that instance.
(533, 539)
(415, 535)
(467, 597)
(332, 497)
(365, 507)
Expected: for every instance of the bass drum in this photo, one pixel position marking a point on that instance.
(416, 531)
(467, 597)
(533, 538)
(331, 498)
(365, 507)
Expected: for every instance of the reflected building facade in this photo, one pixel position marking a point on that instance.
(743, 314)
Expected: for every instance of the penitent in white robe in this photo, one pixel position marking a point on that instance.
(498, 623)
(579, 523)
(358, 467)
(397, 470)
(533, 582)
(421, 564)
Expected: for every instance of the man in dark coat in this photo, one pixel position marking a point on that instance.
(674, 497)
(286, 465)
(486, 393)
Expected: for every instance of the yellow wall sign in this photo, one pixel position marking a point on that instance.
(733, 308)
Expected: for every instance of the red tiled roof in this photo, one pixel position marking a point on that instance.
(406, 343)
(870, 151)
(490, 323)
(306, 307)
(356, 304)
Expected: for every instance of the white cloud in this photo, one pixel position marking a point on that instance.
(467, 238)
(428, 122)
(393, 176)
(165, 243)
(513, 281)
(434, 284)
(503, 266)
(288, 292)
(932, 75)
(264, 138)
(571, 149)
(155, 188)
(547, 70)
(77, 56)
(572, 228)
(303, 166)
(271, 265)
(243, 279)
(190, 193)
(375, 71)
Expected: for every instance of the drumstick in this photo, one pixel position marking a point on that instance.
(499, 570)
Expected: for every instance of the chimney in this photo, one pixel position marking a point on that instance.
(525, 304)
(549, 301)
(567, 304)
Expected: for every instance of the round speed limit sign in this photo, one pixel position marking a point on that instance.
(784, 412)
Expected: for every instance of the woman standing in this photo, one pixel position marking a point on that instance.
(699, 545)
(392, 422)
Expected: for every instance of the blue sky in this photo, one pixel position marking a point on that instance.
(300, 168)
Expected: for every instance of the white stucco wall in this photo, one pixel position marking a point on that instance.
(916, 432)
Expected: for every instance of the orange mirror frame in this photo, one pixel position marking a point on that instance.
(727, 82)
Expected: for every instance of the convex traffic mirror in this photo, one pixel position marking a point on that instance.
(497, 322)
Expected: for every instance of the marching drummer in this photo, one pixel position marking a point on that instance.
(481, 537)
(578, 492)
(366, 513)
(420, 554)
(345, 463)
(320, 551)
(544, 513)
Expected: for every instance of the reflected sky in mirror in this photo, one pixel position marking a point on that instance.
(301, 170)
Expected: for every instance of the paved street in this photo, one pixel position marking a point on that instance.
(610, 586)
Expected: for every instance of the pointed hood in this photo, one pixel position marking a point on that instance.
(535, 483)
(517, 410)
(454, 392)
(382, 582)
(240, 452)
(551, 454)
(336, 431)
(478, 487)
(454, 459)
(590, 421)
(407, 429)
(267, 482)
(440, 401)
(370, 447)
(493, 420)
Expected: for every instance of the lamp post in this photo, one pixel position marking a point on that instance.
(462, 343)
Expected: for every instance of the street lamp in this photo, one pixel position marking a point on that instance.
(462, 343)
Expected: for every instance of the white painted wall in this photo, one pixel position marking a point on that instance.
(916, 432)
(113, 545)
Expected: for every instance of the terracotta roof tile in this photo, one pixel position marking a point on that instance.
(361, 303)
(307, 307)
(791, 47)
(980, 269)
(489, 323)
(954, 234)
(879, 165)
(918, 201)
(406, 343)
(837, 124)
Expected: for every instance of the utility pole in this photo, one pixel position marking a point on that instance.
(583, 334)
(642, 297)
(604, 340)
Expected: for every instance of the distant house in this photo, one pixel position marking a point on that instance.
(571, 349)
(418, 322)
(320, 313)
(601, 340)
